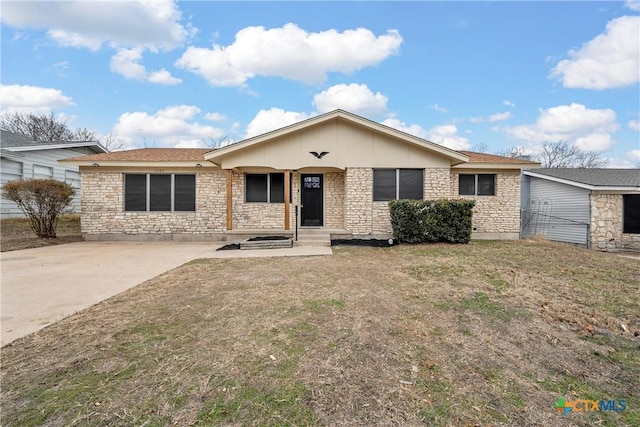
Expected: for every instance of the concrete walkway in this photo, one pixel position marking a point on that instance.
(43, 285)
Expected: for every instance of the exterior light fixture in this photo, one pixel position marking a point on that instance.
(95, 165)
(198, 165)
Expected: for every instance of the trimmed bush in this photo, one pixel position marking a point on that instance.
(441, 220)
(42, 201)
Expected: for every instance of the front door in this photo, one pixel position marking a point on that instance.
(311, 209)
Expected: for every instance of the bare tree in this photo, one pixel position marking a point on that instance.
(112, 142)
(84, 134)
(517, 152)
(560, 154)
(217, 142)
(40, 127)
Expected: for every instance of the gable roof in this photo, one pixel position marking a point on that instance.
(455, 156)
(592, 179)
(15, 142)
(492, 161)
(146, 156)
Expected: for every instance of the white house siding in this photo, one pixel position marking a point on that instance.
(42, 164)
(557, 211)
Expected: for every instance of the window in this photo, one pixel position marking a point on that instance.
(159, 193)
(631, 218)
(392, 184)
(477, 185)
(265, 188)
(42, 172)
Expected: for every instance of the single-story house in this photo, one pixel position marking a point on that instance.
(335, 172)
(596, 208)
(24, 158)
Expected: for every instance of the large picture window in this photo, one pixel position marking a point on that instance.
(477, 185)
(159, 193)
(264, 188)
(393, 184)
(631, 218)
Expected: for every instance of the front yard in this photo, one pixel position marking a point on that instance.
(490, 333)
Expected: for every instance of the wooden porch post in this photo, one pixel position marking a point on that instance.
(287, 192)
(229, 200)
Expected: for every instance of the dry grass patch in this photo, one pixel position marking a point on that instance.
(15, 233)
(488, 333)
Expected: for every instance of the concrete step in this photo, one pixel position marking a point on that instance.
(266, 244)
(313, 240)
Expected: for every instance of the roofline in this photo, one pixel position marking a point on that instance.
(35, 147)
(582, 184)
(481, 165)
(138, 163)
(249, 142)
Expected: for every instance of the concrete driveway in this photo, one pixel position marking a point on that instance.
(41, 286)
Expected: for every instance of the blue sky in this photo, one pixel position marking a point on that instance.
(469, 75)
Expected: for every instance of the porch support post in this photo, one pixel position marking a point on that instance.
(229, 200)
(287, 202)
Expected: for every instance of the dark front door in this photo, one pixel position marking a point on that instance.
(311, 211)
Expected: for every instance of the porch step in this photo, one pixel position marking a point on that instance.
(266, 244)
(313, 239)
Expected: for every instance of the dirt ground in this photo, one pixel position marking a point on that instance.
(15, 233)
(485, 334)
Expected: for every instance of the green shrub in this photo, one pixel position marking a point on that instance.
(42, 201)
(440, 220)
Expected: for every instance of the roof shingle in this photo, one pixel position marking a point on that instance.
(475, 157)
(150, 155)
(595, 177)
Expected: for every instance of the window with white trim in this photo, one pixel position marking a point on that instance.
(477, 184)
(394, 184)
(159, 193)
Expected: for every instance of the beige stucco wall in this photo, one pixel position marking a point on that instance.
(103, 214)
(495, 216)
(606, 222)
(347, 145)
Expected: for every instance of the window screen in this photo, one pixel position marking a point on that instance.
(160, 193)
(486, 185)
(631, 219)
(276, 187)
(185, 193)
(384, 184)
(411, 184)
(135, 192)
(467, 186)
(256, 187)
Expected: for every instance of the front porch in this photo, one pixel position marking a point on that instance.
(313, 234)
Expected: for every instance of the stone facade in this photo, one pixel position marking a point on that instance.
(606, 223)
(495, 216)
(359, 201)
(334, 200)
(103, 215)
(437, 184)
(253, 215)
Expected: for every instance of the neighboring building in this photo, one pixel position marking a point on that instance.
(24, 158)
(597, 208)
(338, 168)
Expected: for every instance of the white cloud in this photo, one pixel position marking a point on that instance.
(634, 155)
(439, 108)
(145, 24)
(633, 5)
(355, 98)
(508, 103)
(499, 117)
(289, 52)
(32, 99)
(163, 77)
(173, 126)
(611, 59)
(446, 135)
(589, 129)
(127, 63)
(215, 117)
(634, 124)
(272, 119)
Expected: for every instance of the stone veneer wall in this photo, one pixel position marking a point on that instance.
(437, 184)
(334, 199)
(260, 215)
(499, 214)
(358, 201)
(103, 215)
(606, 223)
